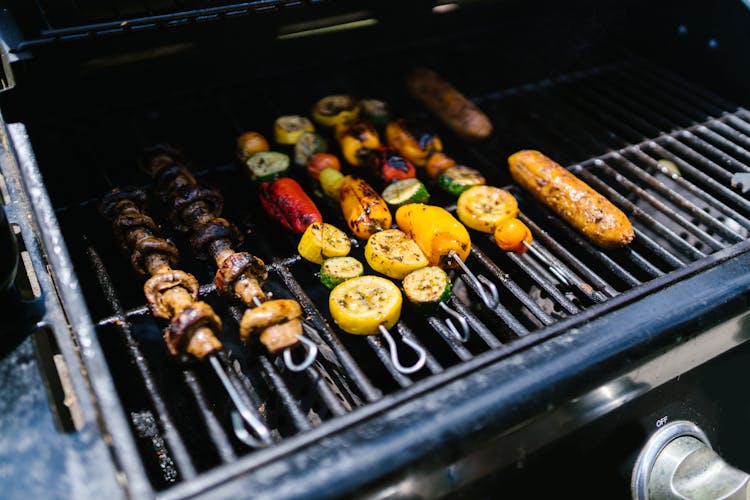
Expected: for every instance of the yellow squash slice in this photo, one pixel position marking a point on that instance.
(484, 207)
(360, 305)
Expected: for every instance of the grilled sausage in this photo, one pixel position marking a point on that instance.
(458, 113)
(572, 199)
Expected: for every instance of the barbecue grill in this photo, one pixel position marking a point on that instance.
(587, 353)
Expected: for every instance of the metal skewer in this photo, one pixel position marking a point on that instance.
(394, 352)
(461, 321)
(490, 299)
(242, 415)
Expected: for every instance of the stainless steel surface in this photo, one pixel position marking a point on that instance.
(678, 462)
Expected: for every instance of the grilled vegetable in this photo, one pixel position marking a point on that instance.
(437, 163)
(288, 129)
(389, 166)
(335, 109)
(331, 181)
(405, 191)
(436, 232)
(286, 202)
(269, 313)
(336, 270)
(267, 165)
(448, 104)
(413, 143)
(572, 199)
(429, 285)
(360, 305)
(484, 207)
(277, 322)
(457, 179)
(321, 241)
(374, 111)
(320, 162)
(250, 143)
(365, 211)
(393, 253)
(356, 142)
(308, 144)
(510, 235)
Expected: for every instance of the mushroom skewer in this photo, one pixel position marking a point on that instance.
(172, 294)
(196, 210)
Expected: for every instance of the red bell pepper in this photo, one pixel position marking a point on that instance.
(287, 203)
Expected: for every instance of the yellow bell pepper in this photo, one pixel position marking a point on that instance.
(364, 210)
(360, 305)
(393, 253)
(322, 241)
(436, 232)
(414, 146)
(356, 141)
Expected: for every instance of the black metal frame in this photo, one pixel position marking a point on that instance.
(464, 389)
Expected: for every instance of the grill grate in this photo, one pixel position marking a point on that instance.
(613, 125)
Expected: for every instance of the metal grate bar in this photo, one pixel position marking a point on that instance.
(650, 158)
(508, 283)
(719, 143)
(215, 430)
(286, 398)
(478, 327)
(694, 156)
(677, 106)
(738, 124)
(648, 79)
(430, 362)
(646, 219)
(616, 269)
(730, 133)
(662, 207)
(181, 456)
(545, 281)
(383, 355)
(696, 142)
(324, 391)
(353, 371)
(615, 109)
(460, 351)
(643, 263)
(675, 197)
(588, 275)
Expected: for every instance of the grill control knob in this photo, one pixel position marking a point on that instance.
(679, 463)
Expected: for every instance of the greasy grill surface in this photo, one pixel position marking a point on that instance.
(614, 126)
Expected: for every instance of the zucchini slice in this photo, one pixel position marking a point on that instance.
(336, 270)
(429, 285)
(393, 253)
(360, 305)
(321, 241)
(458, 178)
(405, 191)
(267, 165)
(485, 207)
(308, 144)
(287, 129)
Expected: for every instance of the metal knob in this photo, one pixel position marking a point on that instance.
(679, 463)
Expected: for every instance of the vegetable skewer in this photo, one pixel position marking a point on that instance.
(493, 210)
(196, 210)
(172, 295)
